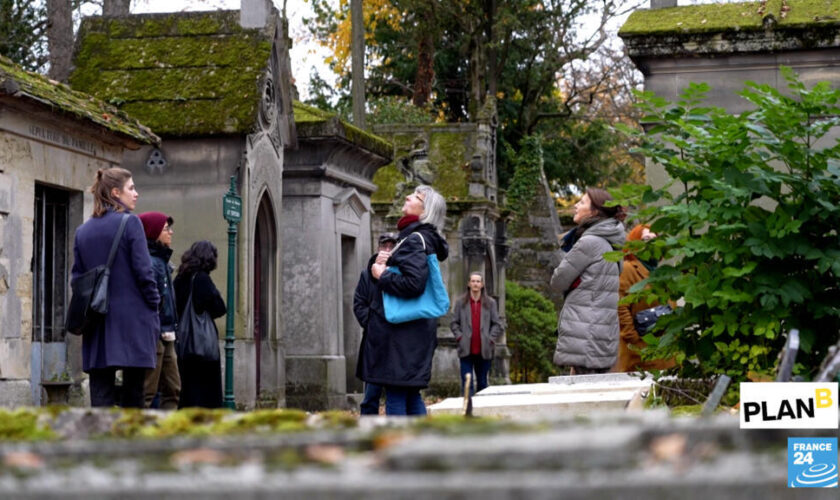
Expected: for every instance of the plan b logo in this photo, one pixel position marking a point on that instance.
(789, 405)
(812, 462)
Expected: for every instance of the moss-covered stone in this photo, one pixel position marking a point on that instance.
(23, 425)
(313, 122)
(20, 83)
(183, 74)
(447, 154)
(386, 180)
(731, 17)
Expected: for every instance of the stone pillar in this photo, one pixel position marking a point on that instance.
(254, 13)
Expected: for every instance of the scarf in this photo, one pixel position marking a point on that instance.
(406, 221)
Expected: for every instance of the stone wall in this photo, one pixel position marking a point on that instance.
(51, 151)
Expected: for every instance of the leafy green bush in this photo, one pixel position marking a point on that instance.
(750, 241)
(531, 334)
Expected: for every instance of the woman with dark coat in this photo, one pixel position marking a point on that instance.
(201, 380)
(127, 339)
(399, 356)
(164, 376)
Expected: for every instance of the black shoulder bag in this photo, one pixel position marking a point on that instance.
(197, 337)
(89, 303)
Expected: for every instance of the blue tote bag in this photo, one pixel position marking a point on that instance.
(432, 303)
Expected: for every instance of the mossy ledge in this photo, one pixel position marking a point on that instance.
(743, 16)
(313, 122)
(16, 82)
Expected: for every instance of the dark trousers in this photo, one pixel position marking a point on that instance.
(481, 367)
(403, 401)
(103, 391)
(370, 405)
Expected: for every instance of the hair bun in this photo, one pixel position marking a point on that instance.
(620, 213)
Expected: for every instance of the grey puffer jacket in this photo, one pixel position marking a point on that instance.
(588, 324)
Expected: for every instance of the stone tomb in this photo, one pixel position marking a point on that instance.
(576, 394)
(52, 142)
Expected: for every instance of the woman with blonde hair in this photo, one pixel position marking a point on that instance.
(127, 338)
(399, 356)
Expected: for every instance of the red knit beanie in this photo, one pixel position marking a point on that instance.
(153, 223)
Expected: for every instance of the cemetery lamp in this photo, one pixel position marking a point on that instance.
(232, 212)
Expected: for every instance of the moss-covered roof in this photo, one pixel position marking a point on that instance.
(183, 74)
(16, 82)
(742, 16)
(312, 122)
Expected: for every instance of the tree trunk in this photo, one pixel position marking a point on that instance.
(425, 60)
(116, 7)
(492, 77)
(59, 38)
(358, 62)
(425, 70)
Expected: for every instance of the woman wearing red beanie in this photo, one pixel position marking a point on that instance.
(164, 376)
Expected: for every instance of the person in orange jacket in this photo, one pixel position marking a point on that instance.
(630, 342)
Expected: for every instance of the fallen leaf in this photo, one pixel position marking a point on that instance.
(196, 456)
(324, 453)
(23, 460)
(668, 448)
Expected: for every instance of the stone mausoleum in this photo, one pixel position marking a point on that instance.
(725, 45)
(217, 87)
(52, 142)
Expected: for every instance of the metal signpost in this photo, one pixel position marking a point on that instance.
(232, 212)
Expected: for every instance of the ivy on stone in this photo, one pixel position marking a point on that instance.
(748, 227)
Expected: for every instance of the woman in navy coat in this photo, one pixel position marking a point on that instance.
(399, 356)
(127, 339)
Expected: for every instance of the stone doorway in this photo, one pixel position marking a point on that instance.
(50, 279)
(265, 285)
(350, 326)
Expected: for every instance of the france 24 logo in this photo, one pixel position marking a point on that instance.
(789, 405)
(812, 462)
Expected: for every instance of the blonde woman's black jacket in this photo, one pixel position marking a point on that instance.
(401, 354)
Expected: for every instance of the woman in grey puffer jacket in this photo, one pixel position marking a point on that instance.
(587, 331)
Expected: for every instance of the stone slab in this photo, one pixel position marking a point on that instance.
(545, 405)
(596, 378)
(539, 389)
(607, 456)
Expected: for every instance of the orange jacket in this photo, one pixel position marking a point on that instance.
(628, 357)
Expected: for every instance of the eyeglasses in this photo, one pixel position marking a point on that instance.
(168, 229)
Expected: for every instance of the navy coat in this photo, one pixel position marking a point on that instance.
(128, 337)
(401, 354)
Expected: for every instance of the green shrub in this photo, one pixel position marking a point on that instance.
(531, 334)
(750, 241)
